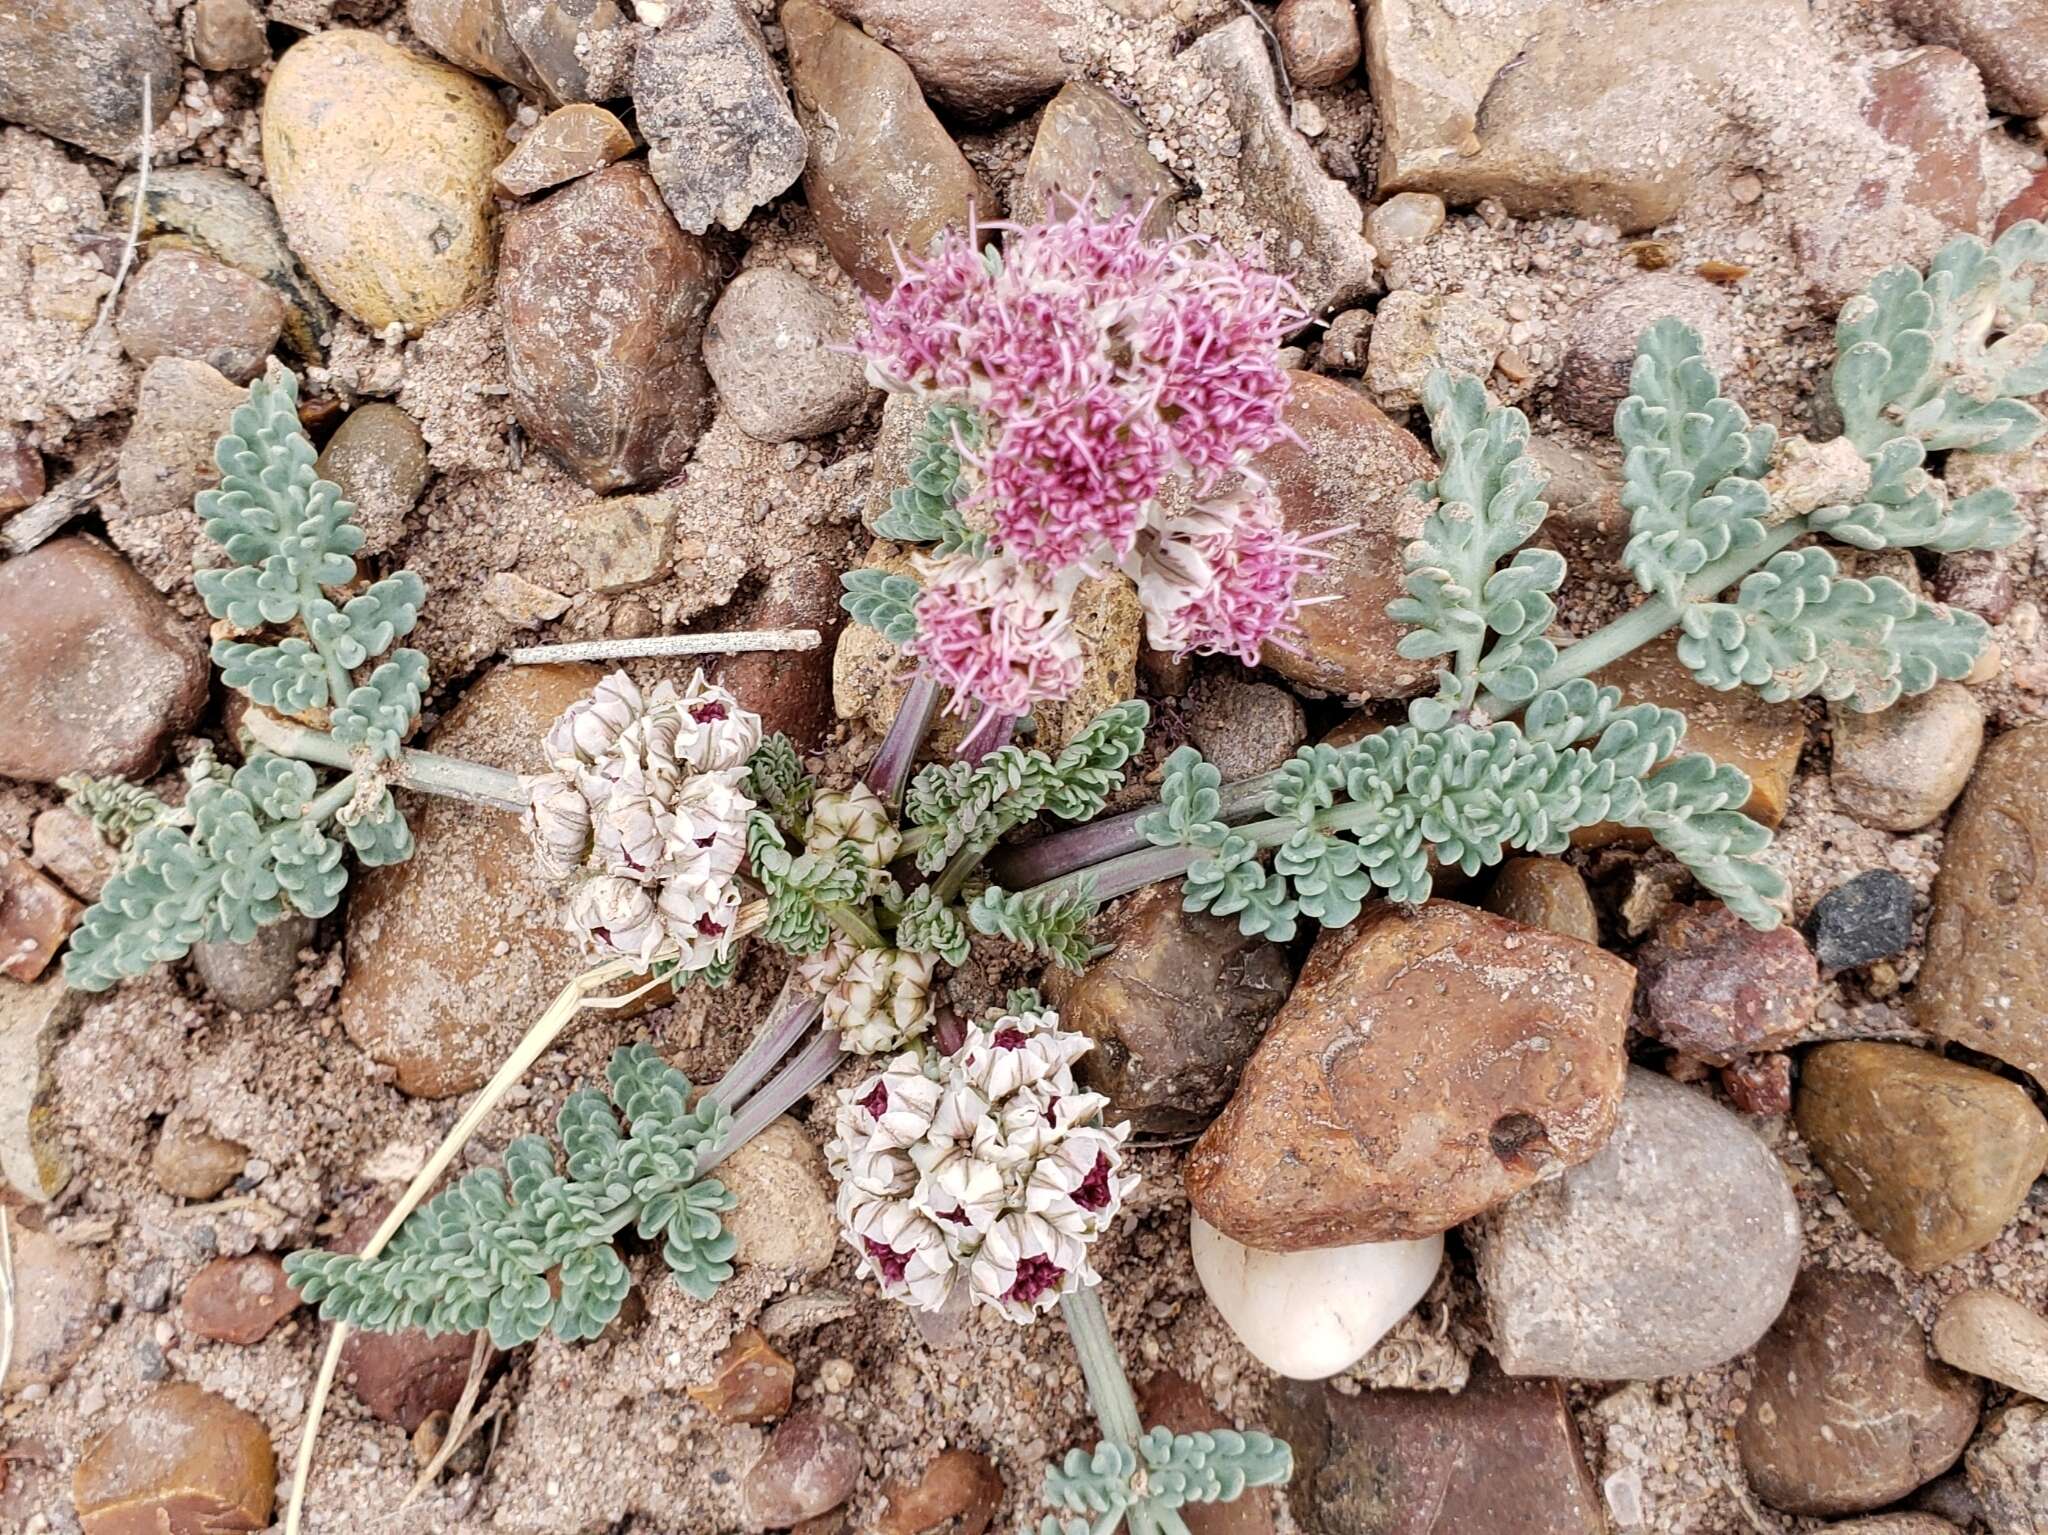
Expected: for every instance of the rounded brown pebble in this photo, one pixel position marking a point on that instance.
(192, 1164)
(1716, 988)
(183, 1462)
(809, 1467)
(1600, 339)
(958, 1493)
(238, 1300)
(1546, 893)
(1318, 40)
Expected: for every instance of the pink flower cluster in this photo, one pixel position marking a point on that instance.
(1104, 366)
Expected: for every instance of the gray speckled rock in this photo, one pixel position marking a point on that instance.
(249, 977)
(2008, 1470)
(73, 68)
(1671, 1250)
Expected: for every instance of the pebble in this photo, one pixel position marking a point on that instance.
(1087, 138)
(1869, 917)
(784, 1223)
(1403, 222)
(751, 1382)
(1175, 1005)
(237, 1300)
(1362, 1119)
(1931, 1156)
(1282, 183)
(882, 168)
(1979, 580)
(1846, 1412)
(407, 1377)
(96, 671)
(1759, 1085)
(809, 1467)
(1994, 1336)
(722, 140)
(248, 977)
(520, 601)
(1712, 986)
(74, 68)
(1168, 1400)
(981, 61)
(378, 457)
(1351, 470)
(577, 49)
(1547, 893)
(35, 1152)
(958, 1493)
(474, 34)
(2008, 1469)
(189, 1163)
(21, 472)
(57, 1292)
(1670, 1251)
(1346, 342)
(180, 1462)
(603, 301)
(1500, 1456)
(226, 34)
(1318, 41)
(777, 347)
(622, 543)
(36, 916)
(569, 142)
(1309, 1315)
(2007, 43)
(380, 166)
(182, 408)
(1416, 334)
(65, 843)
(182, 304)
(1600, 340)
(1244, 728)
(1901, 768)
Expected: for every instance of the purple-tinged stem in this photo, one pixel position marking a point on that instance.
(811, 1066)
(890, 771)
(1121, 875)
(796, 1009)
(1097, 842)
(990, 733)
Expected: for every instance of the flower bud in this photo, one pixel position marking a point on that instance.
(557, 822)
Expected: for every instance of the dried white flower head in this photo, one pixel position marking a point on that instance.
(990, 1167)
(644, 818)
(878, 999)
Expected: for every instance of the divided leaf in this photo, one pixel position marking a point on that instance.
(884, 602)
(926, 511)
(1055, 924)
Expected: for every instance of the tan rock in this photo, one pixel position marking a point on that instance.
(1416, 334)
(1424, 1069)
(604, 302)
(981, 61)
(57, 1292)
(1547, 893)
(237, 1300)
(1087, 138)
(183, 304)
(1318, 41)
(380, 166)
(751, 1382)
(569, 142)
(378, 456)
(1994, 1336)
(784, 1221)
(1932, 1157)
(226, 34)
(36, 915)
(182, 1462)
(622, 543)
(1981, 981)
(1353, 466)
(35, 1155)
(881, 167)
(191, 1164)
(182, 408)
(1901, 768)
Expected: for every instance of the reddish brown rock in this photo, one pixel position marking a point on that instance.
(750, 1382)
(183, 1462)
(1760, 1084)
(1712, 986)
(790, 689)
(1847, 1412)
(35, 918)
(604, 302)
(238, 1300)
(1929, 102)
(1318, 41)
(1353, 466)
(473, 33)
(191, 1164)
(56, 1301)
(1425, 1068)
(956, 1494)
(21, 472)
(2006, 39)
(1168, 1400)
(569, 142)
(96, 672)
(1175, 1007)
(2031, 202)
(183, 304)
(808, 1469)
(1977, 579)
(881, 166)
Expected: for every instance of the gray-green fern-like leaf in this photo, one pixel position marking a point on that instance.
(798, 888)
(377, 713)
(927, 926)
(480, 1254)
(117, 809)
(777, 782)
(1103, 1485)
(1052, 923)
(884, 602)
(926, 511)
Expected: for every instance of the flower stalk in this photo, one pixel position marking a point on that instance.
(427, 772)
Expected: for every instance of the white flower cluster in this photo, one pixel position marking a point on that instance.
(989, 1167)
(878, 999)
(643, 817)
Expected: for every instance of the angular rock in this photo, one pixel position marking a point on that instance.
(777, 347)
(722, 140)
(809, 1467)
(380, 166)
(580, 50)
(181, 1462)
(1283, 184)
(1500, 1456)
(520, 601)
(2031, 202)
(22, 481)
(1403, 221)
(227, 34)
(1894, 1524)
(881, 166)
(36, 916)
(1172, 1401)
(1424, 1069)
(1547, 893)
(453, 952)
(378, 456)
(237, 1300)
(182, 304)
(65, 843)
(1601, 337)
(569, 142)
(1087, 138)
(407, 1377)
(1309, 1315)
(2007, 42)
(957, 1493)
(1901, 768)
(57, 1291)
(1175, 1007)
(1670, 1251)
(1994, 1336)
(1416, 334)
(1353, 467)
(982, 61)
(73, 69)
(2008, 1469)
(751, 1382)
(1869, 917)
(1931, 1156)
(1977, 579)
(1846, 1412)
(790, 689)
(1715, 988)
(1760, 1084)
(1318, 41)
(96, 672)
(474, 34)
(181, 410)
(784, 1222)
(622, 543)
(604, 302)
(248, 977)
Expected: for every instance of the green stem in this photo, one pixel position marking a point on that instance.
(855, 926)
(330, 800)
(339, 683)
(1109, 1389)
(428, 772)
